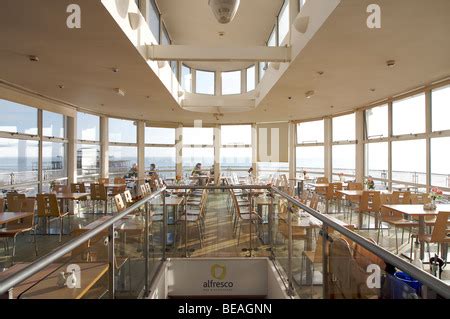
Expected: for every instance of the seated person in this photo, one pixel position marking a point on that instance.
(133, 172)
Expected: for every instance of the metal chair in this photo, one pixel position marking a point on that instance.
(48, 207)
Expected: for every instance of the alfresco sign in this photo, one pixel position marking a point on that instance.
(197, 277)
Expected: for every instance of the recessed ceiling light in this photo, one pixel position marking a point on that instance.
(331, 106)
(372, 89)
(320, 72)
(115, 70)
(119, 91)
(390, 63)
(33, 58)
(61, 86)
(309, 94)
(221, 33)
(289, 97)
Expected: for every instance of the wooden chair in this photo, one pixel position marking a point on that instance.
(353, 186)
(314, 202)
(370, 203)
(14, 201)
(148, 188)
(314, 257)
(401, 197)
(195, 217)
(120, 205)
(60, 189)
(103, 180)
(128, 198)
(321, 180)
(2, 205)
(143, 190)
(48, 207)
(78, 188)
(244, 216)
(340, 257)
(332, 195)
(420, 198)
(393, 218)
(440, 234)
(99, 193)
(298, 233)
(13, 229)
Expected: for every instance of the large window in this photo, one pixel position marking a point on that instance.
(344, 160)
(198, 135)
(205, 82)
(88, 161)
(262, 69)
(198, 148)
(54, 161)
(440, 101)
(250, 78)
(377, 122)
(231, 82)
(121, 131)
(121, 159)
(153, 17)
(310, 159)
(236, 150)
(440, 167)
(272, 41)
(409, 115)
(53, 124)
(283, 22)
(377, 160)
(344, 128)
(409, 161)
(88, 127)
(310, 132)
(160, 150)
(17, 118)
(186, 78)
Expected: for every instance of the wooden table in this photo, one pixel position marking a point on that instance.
(12, 216)
(419, 212)
(47, 288)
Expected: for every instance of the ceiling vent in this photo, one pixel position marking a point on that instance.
(224, 10)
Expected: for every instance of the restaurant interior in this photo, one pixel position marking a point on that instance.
(276, 149)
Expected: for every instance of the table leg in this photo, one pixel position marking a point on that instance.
(422, 232)
(308, 247)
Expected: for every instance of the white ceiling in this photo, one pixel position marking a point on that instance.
(351, 56)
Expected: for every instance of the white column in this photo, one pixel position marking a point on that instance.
(72, 150)
(104, 149)
(179, 150)
(141, 148)
(428, 140)
(359, 160)
(328, 139)
(217, 145)
(292, 155)
(254, 150)
(40, 152)
(390, 133)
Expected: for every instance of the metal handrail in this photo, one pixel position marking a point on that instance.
(46, 260)
(425, 278)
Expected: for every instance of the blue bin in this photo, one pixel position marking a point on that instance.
(402, 290)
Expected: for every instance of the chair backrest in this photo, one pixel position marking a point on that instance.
(128, 197)
(98, 192)
(148, 188)
(235, 203)
(364, 257)
(60, 189)
(420, 198)
(119, 180)
(47, 205)
(15, 201)
(352, 186)
(322, 180)
(401, 197)
(103, 180)
(120, 205)
(314, 203)
(331, 190)
(304, 196)
(370, 201)
(2, 205)
(143, 189)
(441, 230)
(77, 188)
(340, 258)
(28, 206)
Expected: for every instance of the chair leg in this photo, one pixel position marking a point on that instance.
(14, 248)
(411, 251)
(61, 225)
(396, 240)
(239, 232)
(35, 242)
(301, 270)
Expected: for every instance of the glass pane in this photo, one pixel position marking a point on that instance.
(88, 159)
(377, 160)
(262, 69)
(251, 78)
(198, 135)
(186, 78)
(409, 115)
(121, 160)
(272, 42)
(310, 132)
(344, 128)
(310, 159)
(53, 124)
(440, 168)
(159, 135)
(153, 19)
(235, 158)
(236, 134)
(377, 122)
(18, 161)
(163, 158)
(194, 155)
(440, 101)
(205, 82)
(283, 22)
(88, 127)
(165, 39)
(231, 82)
(122, 131)
(409, 161)
(54, 161)
(17, 118)
(301, 3)
(344, 159)
(270, 170)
